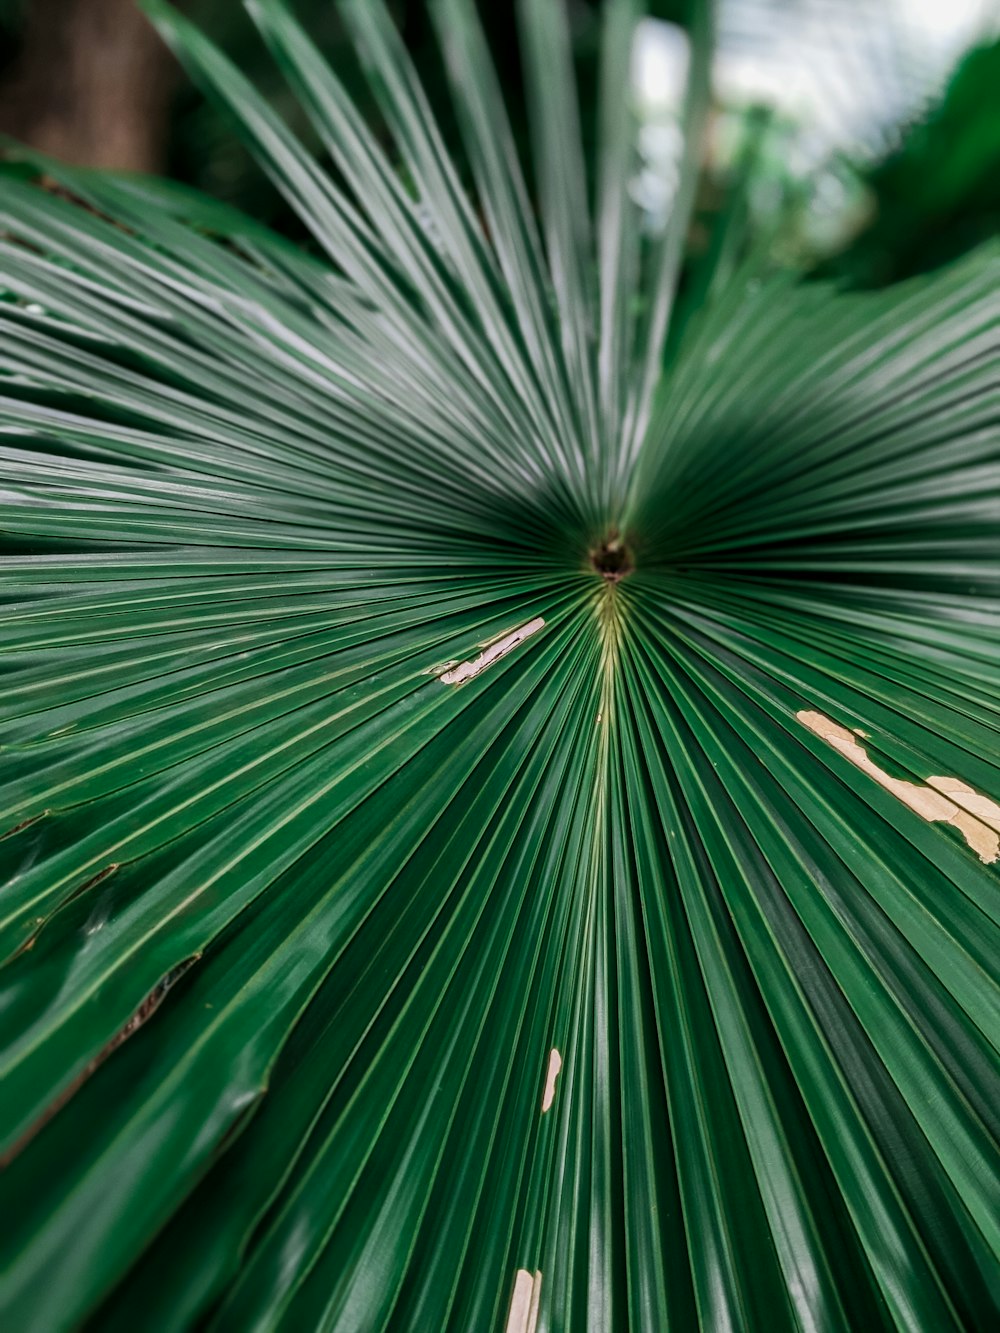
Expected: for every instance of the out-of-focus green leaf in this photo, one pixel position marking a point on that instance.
(498, 838)
(938, 194)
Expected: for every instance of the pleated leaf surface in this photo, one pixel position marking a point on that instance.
(504, 832)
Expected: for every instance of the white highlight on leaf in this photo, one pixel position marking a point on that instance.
(523, 1315)
(943, 800)
(499, 648)
(555, 1064)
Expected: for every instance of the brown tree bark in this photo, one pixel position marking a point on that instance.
(91, 86)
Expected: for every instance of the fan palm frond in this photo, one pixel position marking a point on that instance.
(502, 835)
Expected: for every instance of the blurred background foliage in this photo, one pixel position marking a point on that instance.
(855, 138)
(937, 193)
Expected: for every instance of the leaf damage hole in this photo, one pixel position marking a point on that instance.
(551, 1074)
(39, 923)
(943, 800)
(25, 823)
(492, 653)
(523, 1317)
(141, 1015)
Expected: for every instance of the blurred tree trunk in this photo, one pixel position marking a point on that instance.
(91, 85)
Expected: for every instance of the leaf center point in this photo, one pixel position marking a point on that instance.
(612, 559)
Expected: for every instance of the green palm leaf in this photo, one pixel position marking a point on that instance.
(502, 836)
